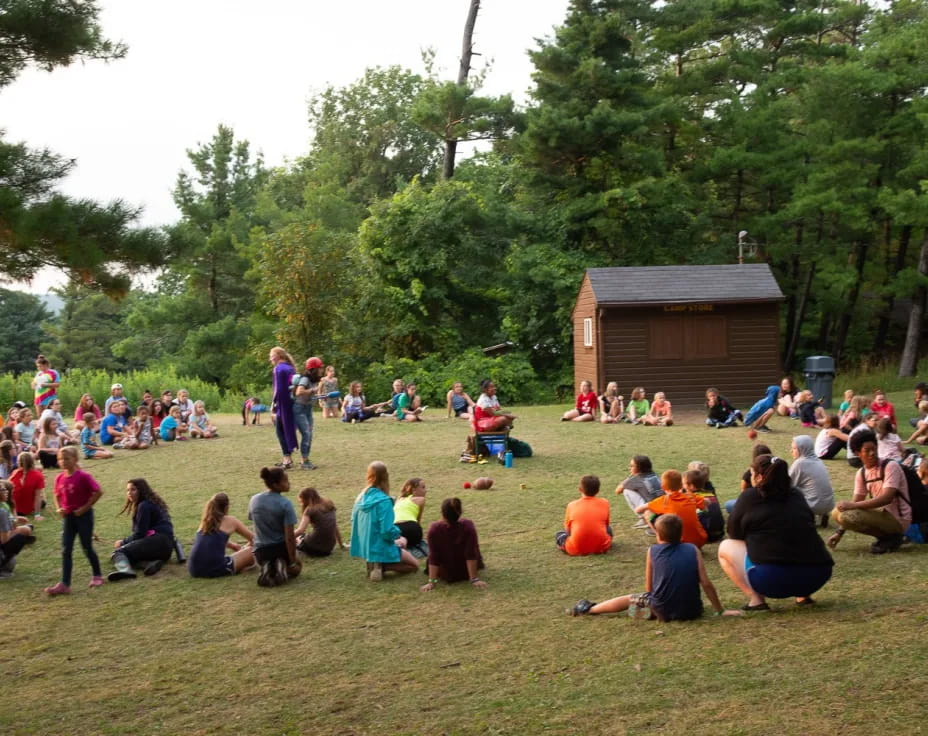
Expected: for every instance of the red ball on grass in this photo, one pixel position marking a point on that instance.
(467, 484)
(752, 434)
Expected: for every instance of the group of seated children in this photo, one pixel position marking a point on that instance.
(587, 526)
(612, 408)
(404, 405)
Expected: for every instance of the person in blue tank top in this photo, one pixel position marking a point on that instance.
(674, 573)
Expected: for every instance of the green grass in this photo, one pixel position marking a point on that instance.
(334, 654)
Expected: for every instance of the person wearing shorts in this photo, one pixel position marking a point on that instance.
(773, 548)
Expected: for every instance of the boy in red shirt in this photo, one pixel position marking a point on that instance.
(586, 522)
(684, 505)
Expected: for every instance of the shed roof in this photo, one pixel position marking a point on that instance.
(750, 282)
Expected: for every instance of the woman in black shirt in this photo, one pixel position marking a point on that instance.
(773, 547)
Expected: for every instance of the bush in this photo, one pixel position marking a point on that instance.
(76, 382)
(513, 375)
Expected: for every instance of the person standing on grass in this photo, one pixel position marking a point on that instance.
(45, 384)
(152, 540)
(674, 572)
(773, 548)
(374, 535)
(76, 492)
(880, 507)
(305, 396)
(274, 519)
(282, 407)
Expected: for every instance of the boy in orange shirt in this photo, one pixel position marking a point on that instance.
(684, 505)
(586, 522)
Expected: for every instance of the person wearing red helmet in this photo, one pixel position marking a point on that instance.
(305, 390)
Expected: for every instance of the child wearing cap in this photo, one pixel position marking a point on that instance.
(305, 390)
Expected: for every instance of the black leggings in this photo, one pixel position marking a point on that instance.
(412, 531)
(154, 547)
(833, 449)
(14, 545)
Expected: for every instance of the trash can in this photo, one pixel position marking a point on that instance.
(820, 376)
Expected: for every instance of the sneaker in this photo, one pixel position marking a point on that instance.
(96, 581)
(650, 532)
(9, 565)
(58, 589)
(280, 571)
(117, 445)
(265, 576)
(38, 517)
(765, 428)
(583, 607)
(153, 567)
(422, 410)
(5, 574)
(307, 465)
(640, 524)
(375, 572)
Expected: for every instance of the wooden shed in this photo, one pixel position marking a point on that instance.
(679, 329)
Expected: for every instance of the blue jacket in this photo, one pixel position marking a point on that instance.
(372, 527)
(768, 402)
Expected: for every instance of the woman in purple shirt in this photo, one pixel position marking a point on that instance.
(282, 407)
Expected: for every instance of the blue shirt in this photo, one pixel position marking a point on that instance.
(675, 581)
(168, 424)
(111, 421)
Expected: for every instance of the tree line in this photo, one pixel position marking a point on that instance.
(655, 134)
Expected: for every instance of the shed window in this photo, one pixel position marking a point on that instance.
(588, 332)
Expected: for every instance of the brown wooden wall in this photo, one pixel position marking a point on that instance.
(585, 359)
(745, 359)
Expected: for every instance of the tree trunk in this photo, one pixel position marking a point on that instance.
(882, 330)
(844, 324)
(800, 317)
(792, 301)
(467, 52)
(909, 362)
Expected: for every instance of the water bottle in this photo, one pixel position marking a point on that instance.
(508, 459)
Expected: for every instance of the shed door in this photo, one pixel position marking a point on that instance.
(687, 337)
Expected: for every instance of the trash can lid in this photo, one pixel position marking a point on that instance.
(820, 364)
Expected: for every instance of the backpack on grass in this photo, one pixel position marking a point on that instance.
(518, 448)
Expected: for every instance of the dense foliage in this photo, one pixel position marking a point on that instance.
(655, 133)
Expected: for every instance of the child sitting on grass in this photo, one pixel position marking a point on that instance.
(810, 411)
(684, 505)
(674, 573)
(883, 407)
(172, 428)
(889, 445)
(920, 435)
(586, 522)
(638, 406)
(719, 411)
(660, 413)
(846, 404)
(199, 422)
(585, 408)
(696, 481)
(90, 445)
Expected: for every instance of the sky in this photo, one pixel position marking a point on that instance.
(194, 64)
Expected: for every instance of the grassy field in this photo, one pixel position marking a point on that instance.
(332, 653)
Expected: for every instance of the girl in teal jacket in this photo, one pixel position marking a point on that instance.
(374, 536)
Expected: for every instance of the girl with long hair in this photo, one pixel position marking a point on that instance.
(454, 551)
(151, 542)
(208, 558)
(318, 513)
